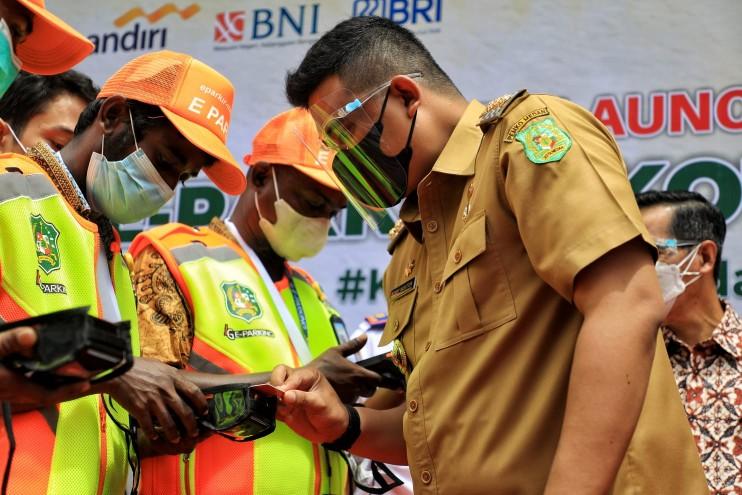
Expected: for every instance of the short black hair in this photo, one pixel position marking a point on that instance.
(29, 95)
(365, 52)
(694, 218)
(144, 115)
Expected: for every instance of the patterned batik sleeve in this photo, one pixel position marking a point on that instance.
(165, 328)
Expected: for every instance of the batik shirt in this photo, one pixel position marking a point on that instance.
(709, 377)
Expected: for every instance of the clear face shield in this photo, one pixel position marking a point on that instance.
(374, 179)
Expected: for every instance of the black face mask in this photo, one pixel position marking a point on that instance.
(370, 176)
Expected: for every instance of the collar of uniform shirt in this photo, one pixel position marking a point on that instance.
(457, 157)
(726, 334)
(409, 213)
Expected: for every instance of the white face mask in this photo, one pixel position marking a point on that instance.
(293, 236)
(126, 190)
(671, 278)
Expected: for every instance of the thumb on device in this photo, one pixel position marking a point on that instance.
(17, 341)
(353, 345)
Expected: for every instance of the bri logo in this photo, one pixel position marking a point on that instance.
(138, 37)
(401, 11)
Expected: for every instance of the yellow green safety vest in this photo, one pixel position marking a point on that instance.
(238, 330)
(49, 256)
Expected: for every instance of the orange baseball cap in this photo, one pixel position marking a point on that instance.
(53, 45)
(291, 138)
(194, 97)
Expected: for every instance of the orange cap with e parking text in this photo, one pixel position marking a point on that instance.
(194, 97)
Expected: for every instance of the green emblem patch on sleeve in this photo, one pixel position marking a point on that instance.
(543, 141)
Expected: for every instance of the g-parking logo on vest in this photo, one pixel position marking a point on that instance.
(405, 12)
(140, 30)
(265, 27)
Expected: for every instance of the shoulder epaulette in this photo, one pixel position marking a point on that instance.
(497, 108)
(396, 234)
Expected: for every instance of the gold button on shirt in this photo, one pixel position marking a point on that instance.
(488, 329)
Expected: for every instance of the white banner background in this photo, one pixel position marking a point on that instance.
(664, 75)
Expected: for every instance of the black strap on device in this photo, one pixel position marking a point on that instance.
(132, 447)
(381, 479)
(387, 480)
(8, 420)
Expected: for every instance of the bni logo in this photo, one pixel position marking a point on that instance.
(401, 11)
(138, 37)
(229, 26)
(266, 24)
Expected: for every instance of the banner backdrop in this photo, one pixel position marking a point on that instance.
(664, 76)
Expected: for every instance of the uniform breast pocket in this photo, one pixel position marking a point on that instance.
(400, 314)
(476, 296)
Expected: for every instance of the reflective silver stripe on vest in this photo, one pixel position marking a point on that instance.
(196, 251)
(34, 186)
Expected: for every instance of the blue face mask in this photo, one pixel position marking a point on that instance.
(127, 190)
(10, 66)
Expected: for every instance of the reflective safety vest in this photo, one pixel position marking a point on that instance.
(49, 257)
(238, 330)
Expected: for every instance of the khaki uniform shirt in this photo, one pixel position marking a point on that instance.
(479, 290)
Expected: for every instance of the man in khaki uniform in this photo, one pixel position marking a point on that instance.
(523, 300)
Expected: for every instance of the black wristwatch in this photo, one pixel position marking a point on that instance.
(351, 433)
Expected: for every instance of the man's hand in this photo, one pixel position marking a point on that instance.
(310, 406)
(19, 390)
(20, 340)
(347, 378)
(155, 393)
(313, 410)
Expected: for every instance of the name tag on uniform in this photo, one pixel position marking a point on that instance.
(403, 290)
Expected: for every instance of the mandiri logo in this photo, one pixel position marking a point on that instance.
(138, 37)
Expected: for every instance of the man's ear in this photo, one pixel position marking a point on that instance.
(113, 112)
(409, 90)
(707, 254)
(7, 142)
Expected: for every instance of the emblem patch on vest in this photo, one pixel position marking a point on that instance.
(45, 239)
(241, 301)
(544, 141)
